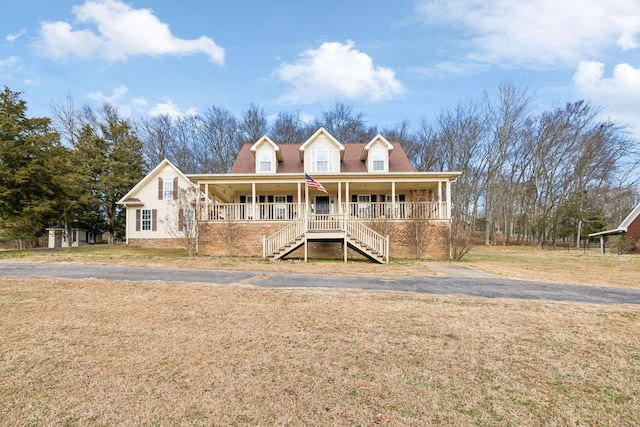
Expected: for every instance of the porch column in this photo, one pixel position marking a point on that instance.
(340, 208)
(299, 200)
(306, 201)
(207, 207)
(448, 185)
(253, 200)
(347, 198)
(393, 199)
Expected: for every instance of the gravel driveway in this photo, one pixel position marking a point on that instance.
(449, 282)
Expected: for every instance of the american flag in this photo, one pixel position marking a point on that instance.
(310, 182)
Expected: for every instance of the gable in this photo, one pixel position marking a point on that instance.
(148, 188)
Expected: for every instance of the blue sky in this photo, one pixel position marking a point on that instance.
(391, 60)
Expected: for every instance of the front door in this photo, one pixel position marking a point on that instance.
(322, 205)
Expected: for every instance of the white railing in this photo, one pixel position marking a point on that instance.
(248, 211)
(325, 223)
(289, 211)
(282, 237)
(398, 210)
(369, 237)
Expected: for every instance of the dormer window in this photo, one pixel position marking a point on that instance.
(321, 159)
(265, 161)
(377, 159)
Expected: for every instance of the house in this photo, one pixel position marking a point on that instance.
(81, 235)
(630, 227)
(318, 198)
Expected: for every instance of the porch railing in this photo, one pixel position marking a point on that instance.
(290, 211)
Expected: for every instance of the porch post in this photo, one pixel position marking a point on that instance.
(393, 199)
(448, 185)
(299, 200)
(347, 198)
(253, 200)
(207, 207)
(340, 208)
(306, 201)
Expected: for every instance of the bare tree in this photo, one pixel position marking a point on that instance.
(345, 125)
(288, 128)
(181, 221)
(253, 126)
(157, 136)
(218, 143)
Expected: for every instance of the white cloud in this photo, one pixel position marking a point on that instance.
(618, 94)
(166, 109)
(537, 33)
(121, 32)
(337, 70)
(13, 37)
(117, 95)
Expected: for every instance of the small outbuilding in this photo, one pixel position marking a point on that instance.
(81, 235)
(630, 227)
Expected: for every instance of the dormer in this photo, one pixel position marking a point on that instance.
(322, 153)
(267, 154)
(376, 154)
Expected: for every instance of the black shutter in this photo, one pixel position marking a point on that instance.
(289, 199)
(269, 199)
(175, 188)
(374, 198)
(354, 198)
(154, 216)
(243, 199)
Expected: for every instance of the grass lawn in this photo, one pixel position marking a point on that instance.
(91, 352)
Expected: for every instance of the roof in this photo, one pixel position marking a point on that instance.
(291, 163)
(624, 225)
(128, 198)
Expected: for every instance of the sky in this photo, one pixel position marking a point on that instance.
(390, 60)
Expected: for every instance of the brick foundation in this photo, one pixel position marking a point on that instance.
(245, 238)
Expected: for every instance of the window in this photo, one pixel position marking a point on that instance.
(364, 206)
(187, 220)
(168, 189)
(322, 159)
(265, 161)
(377, 160)
(280, 207)
(146, 220)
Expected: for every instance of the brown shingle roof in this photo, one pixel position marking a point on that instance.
(245, 162)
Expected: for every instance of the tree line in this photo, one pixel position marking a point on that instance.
(527, 175)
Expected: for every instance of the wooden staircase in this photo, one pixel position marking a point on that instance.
(328, 228)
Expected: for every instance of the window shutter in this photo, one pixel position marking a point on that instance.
(175, 188)
(289, 199)
(354, 198)
(401, 197)
(180, 219)
(154, 216)
(137, 219)
(269, 199)
(243, 199)
(374, 198)
(160, 188)
(261, 199)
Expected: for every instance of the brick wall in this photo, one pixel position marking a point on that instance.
(245, 239)
(154, 243)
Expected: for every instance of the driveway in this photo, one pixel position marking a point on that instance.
(471, 283)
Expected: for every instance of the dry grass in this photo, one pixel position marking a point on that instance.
(575, 266)
(117, 353)
(514, 262)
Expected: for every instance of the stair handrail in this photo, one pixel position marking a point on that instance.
(283, 236)
(368, 236)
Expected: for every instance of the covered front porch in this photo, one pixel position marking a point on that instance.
(287, 198)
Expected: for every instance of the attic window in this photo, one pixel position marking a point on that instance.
(168, 189)
(321, 159)
(377, 160)
(265, 161)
